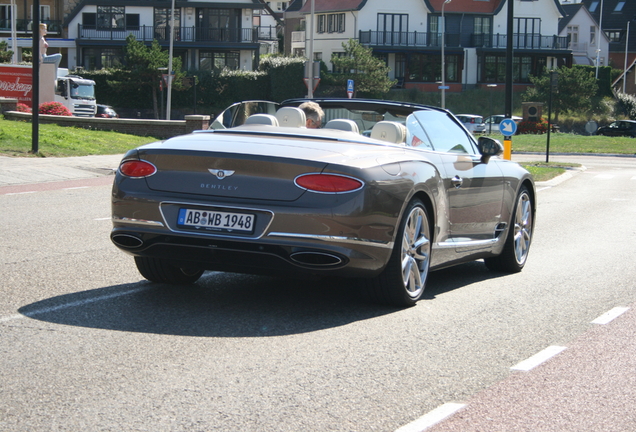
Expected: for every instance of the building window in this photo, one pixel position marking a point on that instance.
(614, 35)
(619, 6)
(428, 67)
(5, 17)
(111, 17)
(217, 61)
(334, 69)
(331, 23)
(593, 6)
(527, 26)
(592, 35)
(393, 28)
(494, 69)
(573, 33)
(435, 30)
(112, 58)
(322, 26)
(161, 20)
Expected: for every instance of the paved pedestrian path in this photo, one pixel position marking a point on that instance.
(28, 170)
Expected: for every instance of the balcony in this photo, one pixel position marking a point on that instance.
(181, 34)
(454, 40)
(24, 26)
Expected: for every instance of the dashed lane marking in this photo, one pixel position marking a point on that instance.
(538, 358)
(432, 418)
(610, 315)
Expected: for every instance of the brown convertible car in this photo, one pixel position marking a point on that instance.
(384, 191)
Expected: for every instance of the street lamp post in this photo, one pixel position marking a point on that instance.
(492, 86)
(170, 73)
(599, 39)
(626, 51)
(161, 84)
(443, 86)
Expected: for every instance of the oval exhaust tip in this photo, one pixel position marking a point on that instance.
(320, 259)
(127, 240)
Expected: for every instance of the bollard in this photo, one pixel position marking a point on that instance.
(507, 154)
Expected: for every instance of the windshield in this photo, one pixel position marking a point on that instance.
(82, 91)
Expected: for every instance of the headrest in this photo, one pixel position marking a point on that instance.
(262, 119)
(343, 124)
(389, 131)
(291, 117)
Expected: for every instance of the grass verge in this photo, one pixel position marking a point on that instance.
(58, 141)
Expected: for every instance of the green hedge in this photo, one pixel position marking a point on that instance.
(277, 79)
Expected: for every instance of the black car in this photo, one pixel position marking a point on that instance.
(619, 128)
(106, 111)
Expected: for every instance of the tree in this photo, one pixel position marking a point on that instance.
(371, 74)
(143, 64)
(5, 54)
(575, 89)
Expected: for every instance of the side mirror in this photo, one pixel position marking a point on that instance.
(488, 147)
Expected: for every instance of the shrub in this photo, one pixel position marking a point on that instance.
(54, 108)
(23, 108)
(627, 104)
(531, 127)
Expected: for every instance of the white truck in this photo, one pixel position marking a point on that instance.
(74, 92)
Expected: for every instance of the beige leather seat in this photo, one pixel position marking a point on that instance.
(291, 117)
(390, 131)
(262, 119)
(343, 124)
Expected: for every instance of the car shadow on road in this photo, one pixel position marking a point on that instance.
(231, 305)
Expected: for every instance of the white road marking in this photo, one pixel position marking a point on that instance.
(538, 358)
(101, 219)
(72, 304)
(78, 187)
(432, 418)
(19, 193)
(610, 315)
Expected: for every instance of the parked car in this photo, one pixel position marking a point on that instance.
(419, 194)
(106, 111)
(625, 128)
(492, 122)
(474, 123)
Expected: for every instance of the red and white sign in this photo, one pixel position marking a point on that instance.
(17, 82)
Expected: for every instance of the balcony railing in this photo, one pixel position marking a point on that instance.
(181, 34)
(25, 26)
(453, 40)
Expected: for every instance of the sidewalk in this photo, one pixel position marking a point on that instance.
(28, 170)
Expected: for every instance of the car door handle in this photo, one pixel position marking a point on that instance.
(457, 182)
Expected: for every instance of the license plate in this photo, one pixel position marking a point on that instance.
(216, 220)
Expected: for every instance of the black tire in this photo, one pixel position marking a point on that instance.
(157, 270)
(403, 280)
(515, 252)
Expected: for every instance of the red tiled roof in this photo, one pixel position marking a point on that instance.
(332, 5)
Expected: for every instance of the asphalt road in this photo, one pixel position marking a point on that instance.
(86, 344)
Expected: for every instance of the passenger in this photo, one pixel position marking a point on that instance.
(314, 114)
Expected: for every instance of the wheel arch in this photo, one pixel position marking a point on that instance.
(430, 209)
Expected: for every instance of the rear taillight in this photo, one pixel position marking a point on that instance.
(137, 168)
(472, 120)
(328, 183)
